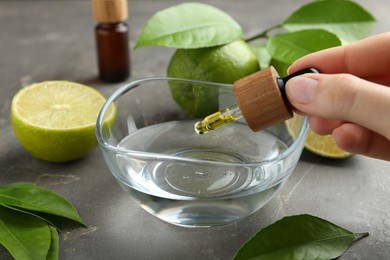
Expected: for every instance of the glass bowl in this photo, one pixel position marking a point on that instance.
(180, 176)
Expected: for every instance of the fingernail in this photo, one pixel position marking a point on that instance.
(301, 89)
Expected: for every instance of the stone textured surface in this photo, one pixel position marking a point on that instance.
(47, 40)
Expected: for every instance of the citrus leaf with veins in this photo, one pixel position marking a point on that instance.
(288, 47)
(24, 236)
(188, 26)
(29, 196)
(346, 19)
(298, 237)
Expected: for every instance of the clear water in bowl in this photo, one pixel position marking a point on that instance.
(200, 192)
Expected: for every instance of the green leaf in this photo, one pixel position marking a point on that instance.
(189, 25)
(262, 54)
(29, 196)
(280, 67)
(298, 237)
(24, 236)
(288, 47)
(346, 19)
(52, 253)
(50, 219)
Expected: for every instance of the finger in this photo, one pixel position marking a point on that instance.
(365, 58)
(360, 140)
(342, 97)
(382, 79)
(323, 126)
(299, 112)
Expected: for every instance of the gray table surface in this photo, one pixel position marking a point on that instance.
(49, 40)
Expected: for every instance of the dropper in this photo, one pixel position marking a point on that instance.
(261, 100)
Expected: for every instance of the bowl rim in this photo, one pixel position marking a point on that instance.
(127, 87)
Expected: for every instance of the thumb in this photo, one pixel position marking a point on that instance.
(342, 97)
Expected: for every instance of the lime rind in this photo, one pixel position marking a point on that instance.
(324, 146)
(221, 64)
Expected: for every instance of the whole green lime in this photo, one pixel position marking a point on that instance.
(222, 64)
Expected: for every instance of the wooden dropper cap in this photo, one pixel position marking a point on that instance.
(109, 11)
(262, 98)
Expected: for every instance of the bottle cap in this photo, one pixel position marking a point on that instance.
(109, 11)
(260, 99)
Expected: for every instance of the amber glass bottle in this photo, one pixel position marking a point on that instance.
(112, 41)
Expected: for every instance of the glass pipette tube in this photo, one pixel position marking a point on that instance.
(218, 119)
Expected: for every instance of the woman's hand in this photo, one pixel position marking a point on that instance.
(350, 99)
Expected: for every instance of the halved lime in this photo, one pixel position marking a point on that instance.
(55, 120)
(321, 145)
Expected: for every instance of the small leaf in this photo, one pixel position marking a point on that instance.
(346, 19)
(298, 237)
(52, 253)
(288, 47)
(29, 196)
(50, 219)
(189, 25)
(262, 54)
(24, 236)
